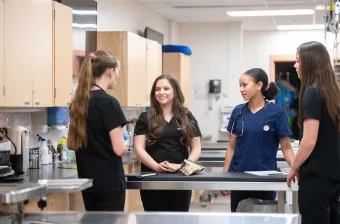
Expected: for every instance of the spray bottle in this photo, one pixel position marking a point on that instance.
(44, 151)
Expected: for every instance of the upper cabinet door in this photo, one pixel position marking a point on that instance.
(137, 94)
(2, 98)
(42, 18)
(28, 52)
(62, 45)
(19, 36)
(153, 64)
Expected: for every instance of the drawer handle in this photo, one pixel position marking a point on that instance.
(37, 102)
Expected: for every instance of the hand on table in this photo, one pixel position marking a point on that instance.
(163, 167)
(293, 175)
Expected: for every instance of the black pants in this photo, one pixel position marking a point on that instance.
(112, 201)
(167, 200)
(237, 196)
(318, 200)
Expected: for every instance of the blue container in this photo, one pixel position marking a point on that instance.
(57, 116)
(177, 48)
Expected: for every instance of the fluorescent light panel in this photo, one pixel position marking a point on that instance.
(84, 12)
(77, 25)
(301, 27)
(288, 12)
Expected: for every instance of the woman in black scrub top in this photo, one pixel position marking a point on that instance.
(167, 133)
(96, 135)
(317, 162)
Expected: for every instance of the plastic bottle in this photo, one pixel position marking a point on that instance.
(44, 152)
(126, 138)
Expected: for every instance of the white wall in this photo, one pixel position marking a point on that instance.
(78, 39)
(129, 15)
(173, 32)
(259, 46)
(215, 46)
(204, 39)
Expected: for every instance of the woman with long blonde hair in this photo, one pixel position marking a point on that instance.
(95, 133)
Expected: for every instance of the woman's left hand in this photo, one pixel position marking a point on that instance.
(293, 175)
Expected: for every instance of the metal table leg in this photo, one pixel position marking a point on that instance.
(295, 205)
(281, 201)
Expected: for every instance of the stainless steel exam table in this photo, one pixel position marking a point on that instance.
(216, 181)
(152, 218)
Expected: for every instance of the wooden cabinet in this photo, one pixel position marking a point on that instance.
(30, 56)
(62, 54)
(28, 53)
(140, 61)
(154, 64)
(178, 64)
(2, 97)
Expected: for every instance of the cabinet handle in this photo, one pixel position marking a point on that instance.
(37, 102)
(26, 103)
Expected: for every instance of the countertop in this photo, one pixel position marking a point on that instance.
(63, 170)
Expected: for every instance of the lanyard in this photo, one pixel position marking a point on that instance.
(100, 88)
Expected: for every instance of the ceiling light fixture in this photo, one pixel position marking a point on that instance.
(84, 12)
(301, 27)
(77, 25)
(288, 12)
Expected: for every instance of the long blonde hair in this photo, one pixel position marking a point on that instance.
(94, 66)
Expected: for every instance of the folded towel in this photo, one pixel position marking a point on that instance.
(190, 168)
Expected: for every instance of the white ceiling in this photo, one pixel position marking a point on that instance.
(215, 11)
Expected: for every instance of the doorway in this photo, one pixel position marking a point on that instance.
(287, 80)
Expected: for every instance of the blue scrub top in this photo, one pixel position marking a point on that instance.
(256, 149)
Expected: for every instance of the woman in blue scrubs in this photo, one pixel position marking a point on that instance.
(256, 129)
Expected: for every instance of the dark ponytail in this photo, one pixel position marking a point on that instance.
(269, 90)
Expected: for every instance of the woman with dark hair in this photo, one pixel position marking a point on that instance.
(95, 133)
(167, 133)
(256, 129)
(317, 162)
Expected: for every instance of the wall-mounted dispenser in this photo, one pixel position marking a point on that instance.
(214, 88)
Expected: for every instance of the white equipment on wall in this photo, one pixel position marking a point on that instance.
(226, 110)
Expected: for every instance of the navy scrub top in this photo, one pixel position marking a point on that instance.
(256, 149)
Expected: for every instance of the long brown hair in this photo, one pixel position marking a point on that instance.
(93, 67)
(156, 121)
(316, 69)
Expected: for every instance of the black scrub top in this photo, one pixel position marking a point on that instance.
(168, 147)
(325, 157)
(98, 161)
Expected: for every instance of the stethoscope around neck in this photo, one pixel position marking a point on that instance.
(265, 127)
(179, 128)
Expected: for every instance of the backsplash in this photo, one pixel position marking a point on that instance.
(36, 123)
